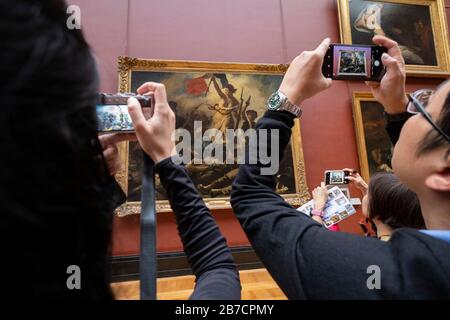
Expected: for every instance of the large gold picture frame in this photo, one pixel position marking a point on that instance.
(374, 145)
(423, 34)
(130, 68)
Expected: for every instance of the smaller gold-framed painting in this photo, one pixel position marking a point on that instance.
(374, 145)
(419, 27)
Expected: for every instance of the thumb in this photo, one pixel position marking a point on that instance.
(323, 47)
(328, 82)
(136, 115)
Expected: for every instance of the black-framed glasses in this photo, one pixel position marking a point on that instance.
(418, 102)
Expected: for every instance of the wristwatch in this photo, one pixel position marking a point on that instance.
(279, 102)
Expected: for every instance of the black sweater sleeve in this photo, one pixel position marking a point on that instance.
(393, 129)
(304, 258)
(309, 261)
(206, 248)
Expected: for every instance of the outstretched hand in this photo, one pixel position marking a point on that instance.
(320, 196)
(155, 135)
(390, 91)
(304, 77)
(355, 179)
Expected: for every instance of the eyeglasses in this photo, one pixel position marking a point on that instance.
(418, 102)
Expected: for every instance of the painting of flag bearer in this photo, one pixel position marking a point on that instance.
(221, 101)
(228, 111)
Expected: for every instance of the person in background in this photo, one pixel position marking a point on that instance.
(388, 203)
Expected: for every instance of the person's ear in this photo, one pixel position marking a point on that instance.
(440, 181)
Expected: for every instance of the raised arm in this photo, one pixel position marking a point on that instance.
(219, 91)
(390, 91)
(204, 245)
(305, 259)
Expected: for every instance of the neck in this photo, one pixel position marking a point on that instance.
(382, 229)
(435, 208)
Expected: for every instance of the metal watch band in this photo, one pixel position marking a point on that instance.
(292, 108)
(278, 101)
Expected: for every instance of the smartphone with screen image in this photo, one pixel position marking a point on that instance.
(354, 62)
(335, 177)
(112, 112)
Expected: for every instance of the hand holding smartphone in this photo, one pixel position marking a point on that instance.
(354, 62)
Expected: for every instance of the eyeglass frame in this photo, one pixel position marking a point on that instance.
(421, 108)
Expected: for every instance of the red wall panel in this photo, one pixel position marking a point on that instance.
(254, 31)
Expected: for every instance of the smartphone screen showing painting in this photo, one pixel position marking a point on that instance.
(374, 145)
(352, 61)
(204, 100)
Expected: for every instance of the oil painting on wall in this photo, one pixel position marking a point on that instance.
(208, 96)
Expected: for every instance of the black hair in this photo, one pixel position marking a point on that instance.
(57, 195)
(433, 139)
(391, 202)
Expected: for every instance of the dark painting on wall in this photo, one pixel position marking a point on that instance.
(374, 146)
(408, 24)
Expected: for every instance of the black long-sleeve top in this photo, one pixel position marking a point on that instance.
(206, 248)
(310, 262)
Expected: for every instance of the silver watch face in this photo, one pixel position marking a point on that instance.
(274, 101)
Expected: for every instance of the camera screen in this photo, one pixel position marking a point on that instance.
(337, 177)
(113, 118)
(352, 61)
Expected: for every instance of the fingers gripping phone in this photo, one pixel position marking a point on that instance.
(334, 177)
(112, 111)
(354, 62)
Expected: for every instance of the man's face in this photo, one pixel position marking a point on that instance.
(413, 170)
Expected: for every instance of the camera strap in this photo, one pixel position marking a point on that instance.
(148, 268)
